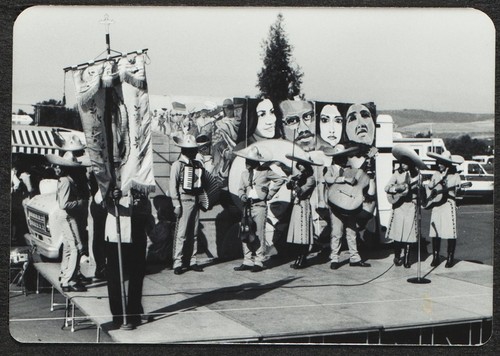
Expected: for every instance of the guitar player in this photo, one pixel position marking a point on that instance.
(340, 179)
(402, 190)
(444, 214)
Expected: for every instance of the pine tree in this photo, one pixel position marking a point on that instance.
(278, 79)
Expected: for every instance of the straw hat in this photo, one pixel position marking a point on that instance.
(446, 158)
(84, 160)
(187, 141)
(400, 151)
(72, 144)
(202, 140)
(307, 160)
(255, 153)
(68, 160)
(340, 150)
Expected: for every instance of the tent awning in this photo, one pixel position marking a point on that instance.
(37, 139)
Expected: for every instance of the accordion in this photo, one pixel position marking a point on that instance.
(211, 191)
(191, 179)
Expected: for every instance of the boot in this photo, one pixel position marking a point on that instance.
(436, 244)
(407, 256)
(299, 263)
(451, 253)
(302, 262)
(296, 263)
(397, 253)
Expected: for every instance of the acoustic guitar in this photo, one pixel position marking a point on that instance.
(347, 198)
(395, 198)
(435, 197)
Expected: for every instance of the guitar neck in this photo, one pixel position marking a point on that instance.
(435, 192)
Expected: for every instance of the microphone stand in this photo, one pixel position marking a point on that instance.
(419, 279)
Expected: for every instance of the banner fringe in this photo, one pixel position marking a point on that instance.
(110, 82)
(144, 189)
(84, 97)
(139, 83)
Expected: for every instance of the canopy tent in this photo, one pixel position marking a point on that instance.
(21, 119)
(178, 108)
(38, 139)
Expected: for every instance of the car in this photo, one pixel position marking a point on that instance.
(41, 210)
(487, 161)
(482, 181)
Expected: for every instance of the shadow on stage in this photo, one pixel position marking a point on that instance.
(194, 300)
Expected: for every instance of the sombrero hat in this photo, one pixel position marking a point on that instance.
(187, 141)
(340, 150)
(446, 158)
(68, 160)
(303, 159)
(457, 158)
(84, 160)
(202, 140)
(255, 153)
(72, 144)
(400, 151)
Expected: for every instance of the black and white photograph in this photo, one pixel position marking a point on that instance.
(252, 175)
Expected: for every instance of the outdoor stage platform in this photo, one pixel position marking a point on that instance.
(221, 305)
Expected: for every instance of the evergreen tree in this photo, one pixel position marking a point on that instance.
(278, 79)
(54, 113)
(466, 146)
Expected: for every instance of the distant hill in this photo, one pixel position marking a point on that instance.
(443, 124)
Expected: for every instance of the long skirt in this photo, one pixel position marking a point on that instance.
(300, 230)
(444, 220)
(403, 226)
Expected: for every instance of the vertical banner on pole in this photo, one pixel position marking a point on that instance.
(132, 155)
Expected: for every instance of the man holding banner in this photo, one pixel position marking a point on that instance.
(113, 103)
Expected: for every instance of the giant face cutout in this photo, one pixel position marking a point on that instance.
(330, 124)
(298, 123)
(266, 120)
(360, 126)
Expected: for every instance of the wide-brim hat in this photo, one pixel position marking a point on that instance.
(73, 143)
(239, 102)
(305, 159)
(202, 140)
(446, 158)
(68, 160)
(187, 141)
(401, 151)
(84, 160)
(340, 150)
(457, 158)
(255, 153)
(228, 103)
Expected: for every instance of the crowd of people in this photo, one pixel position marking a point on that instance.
(340, 180)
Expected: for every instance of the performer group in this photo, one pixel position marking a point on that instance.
(291, 190)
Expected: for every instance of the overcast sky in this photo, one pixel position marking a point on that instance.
(431, 59)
